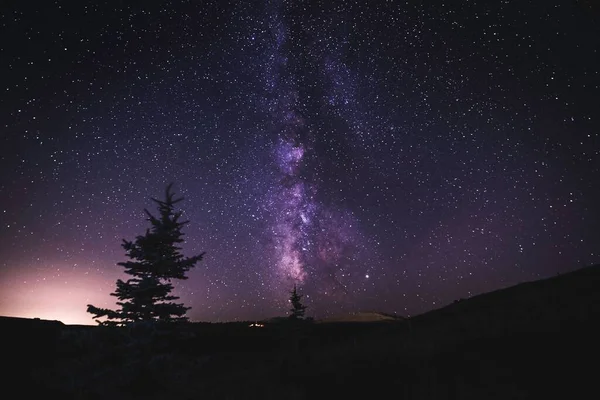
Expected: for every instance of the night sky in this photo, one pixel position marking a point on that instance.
(387, 156)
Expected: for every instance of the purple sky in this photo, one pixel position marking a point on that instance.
(384, 156)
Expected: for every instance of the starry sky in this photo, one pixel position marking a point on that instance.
(384, 156)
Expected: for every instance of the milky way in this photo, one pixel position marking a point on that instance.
(309, 240)
(381, 155)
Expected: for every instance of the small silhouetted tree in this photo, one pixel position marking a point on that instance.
(297, 310)
(155, 260)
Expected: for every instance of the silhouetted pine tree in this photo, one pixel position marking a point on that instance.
(155, 261)
(297, 310)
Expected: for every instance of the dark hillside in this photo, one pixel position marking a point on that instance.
(550, 305)
(533, 340)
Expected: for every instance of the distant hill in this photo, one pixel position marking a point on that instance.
(30, 323)
(368, 316)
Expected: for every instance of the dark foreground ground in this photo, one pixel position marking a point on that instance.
(535, 340)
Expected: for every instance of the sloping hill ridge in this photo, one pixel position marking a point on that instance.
(545, 305)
